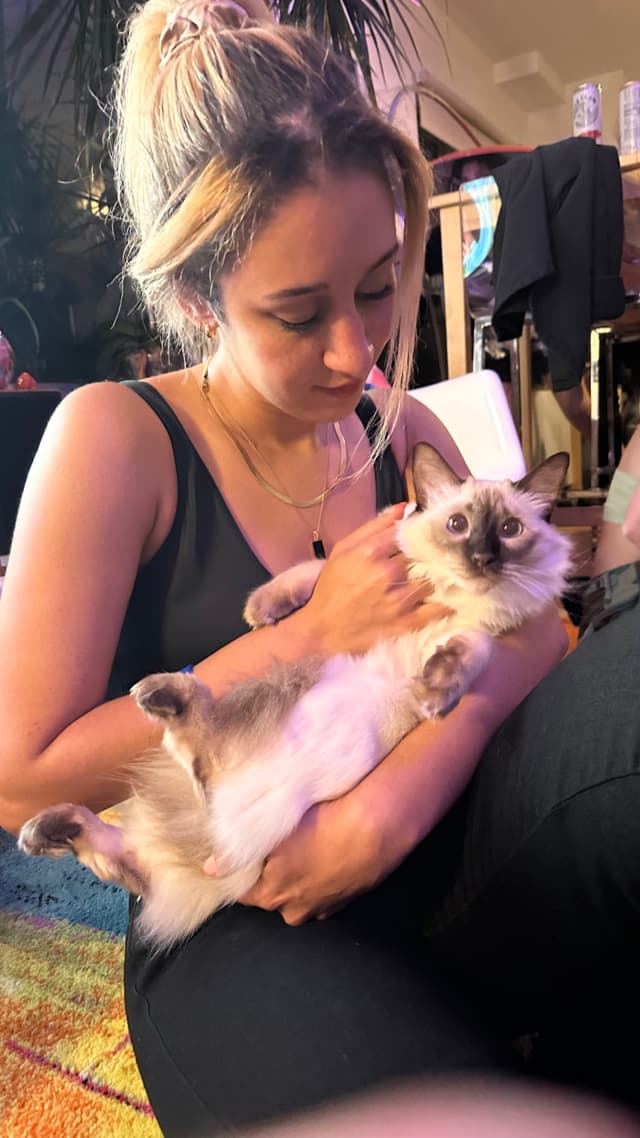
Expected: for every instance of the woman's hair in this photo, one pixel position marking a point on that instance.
(220, 114)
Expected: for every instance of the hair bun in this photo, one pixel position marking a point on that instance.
(189, 20)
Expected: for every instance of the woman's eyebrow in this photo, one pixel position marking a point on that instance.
(304, 290)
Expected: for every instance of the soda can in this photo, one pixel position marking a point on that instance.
(630, 118)
(587, 111)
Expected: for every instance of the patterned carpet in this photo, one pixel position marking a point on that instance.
(67, 1069)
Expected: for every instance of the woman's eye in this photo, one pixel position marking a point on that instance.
(297, 325)
(457, 524)
(305, 325)
(511, 527)
(381, 294)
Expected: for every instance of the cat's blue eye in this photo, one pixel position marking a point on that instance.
(511, 527)
(457, 524)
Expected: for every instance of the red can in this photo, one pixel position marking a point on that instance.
(587, 111)
(630, 118)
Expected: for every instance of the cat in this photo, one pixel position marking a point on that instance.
(236, 774)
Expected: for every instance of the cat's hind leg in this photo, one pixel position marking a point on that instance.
(450, 671)
(164, 696)
(68, 828)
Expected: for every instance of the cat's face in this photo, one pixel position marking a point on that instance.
(476, 535)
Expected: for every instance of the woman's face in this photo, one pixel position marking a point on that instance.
(308, 310)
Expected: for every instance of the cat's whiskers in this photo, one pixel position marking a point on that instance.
(531, 580)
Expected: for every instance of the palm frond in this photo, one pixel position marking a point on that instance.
(80, 40)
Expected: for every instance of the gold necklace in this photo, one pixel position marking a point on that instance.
(316, 541)
(302, 504)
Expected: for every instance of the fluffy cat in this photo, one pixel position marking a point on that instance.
(236, 774)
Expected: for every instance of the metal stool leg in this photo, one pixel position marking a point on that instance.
(480, 324)
(514, 372)
(594, 383)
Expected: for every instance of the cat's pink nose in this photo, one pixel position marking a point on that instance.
(484, 560)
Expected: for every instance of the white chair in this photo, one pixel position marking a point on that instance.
(476, 413)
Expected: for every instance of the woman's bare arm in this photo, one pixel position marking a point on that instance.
(619, 542)
(90, 516)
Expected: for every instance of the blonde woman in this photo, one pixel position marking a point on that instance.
(277, 228)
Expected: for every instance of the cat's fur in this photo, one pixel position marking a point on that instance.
(236, 774)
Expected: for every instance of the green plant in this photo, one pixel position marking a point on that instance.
(41, 211)
(80, 39)
(55, 253)
(75, 45)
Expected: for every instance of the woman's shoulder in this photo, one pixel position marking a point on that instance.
(112, 418)
(417, 423)
(104, 455)
(105, 402)
(102, 433)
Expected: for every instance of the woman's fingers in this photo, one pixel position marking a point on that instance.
(410, 594)
(211, 867)
(383, 525)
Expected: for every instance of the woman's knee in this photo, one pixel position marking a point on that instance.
(559, 914)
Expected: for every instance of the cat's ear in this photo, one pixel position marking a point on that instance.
(547, 480)
(430, 472)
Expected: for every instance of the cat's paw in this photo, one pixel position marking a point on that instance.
(53, 831)
(289, 591)
(165, 695)
(267, 605)
(450, 671)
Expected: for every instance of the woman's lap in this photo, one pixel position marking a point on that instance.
(531, 886)
(253, 1019)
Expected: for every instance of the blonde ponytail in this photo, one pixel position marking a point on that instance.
(220, 114)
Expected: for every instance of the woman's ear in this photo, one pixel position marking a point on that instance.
(199, 311)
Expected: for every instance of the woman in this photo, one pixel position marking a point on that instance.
(277, 229)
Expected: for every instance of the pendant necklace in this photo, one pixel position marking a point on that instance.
(317, 543)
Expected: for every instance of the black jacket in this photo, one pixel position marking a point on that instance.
(558, 248)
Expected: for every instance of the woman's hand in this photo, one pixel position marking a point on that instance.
(363, 593)
(337, 852)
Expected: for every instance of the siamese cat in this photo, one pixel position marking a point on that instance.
(236, 774)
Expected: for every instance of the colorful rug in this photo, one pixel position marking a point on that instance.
(67, 1068)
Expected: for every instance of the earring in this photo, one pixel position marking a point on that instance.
(211, 332)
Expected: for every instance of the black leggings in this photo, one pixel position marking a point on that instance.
(529, 890)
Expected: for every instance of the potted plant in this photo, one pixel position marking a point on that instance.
(76, 45)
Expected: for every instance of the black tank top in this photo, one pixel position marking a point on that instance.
(187, 601)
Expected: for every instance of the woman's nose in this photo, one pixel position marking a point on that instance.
(349, 351)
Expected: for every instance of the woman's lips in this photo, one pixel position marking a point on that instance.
(344, 391)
